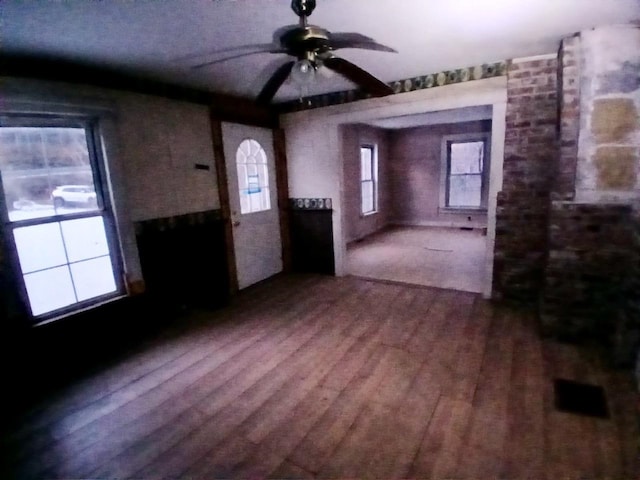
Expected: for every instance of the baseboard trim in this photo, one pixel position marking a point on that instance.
(442, 223)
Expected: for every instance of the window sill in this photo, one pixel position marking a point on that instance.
(463, 210)
(81, 310)
(368, 214)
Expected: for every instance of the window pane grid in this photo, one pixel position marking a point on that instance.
(64, 264)
(253, 177)
(82, 242)
(465, 174)
(368, 180)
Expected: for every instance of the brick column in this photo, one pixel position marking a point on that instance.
(569, 110)
(531, 150)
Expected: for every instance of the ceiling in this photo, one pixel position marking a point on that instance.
(152, 37)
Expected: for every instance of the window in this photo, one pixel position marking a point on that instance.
(253, 177)
(465, 169)
(54, 215)
(368, 179)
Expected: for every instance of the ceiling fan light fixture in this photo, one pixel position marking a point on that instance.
(312, 50)
(303, 72)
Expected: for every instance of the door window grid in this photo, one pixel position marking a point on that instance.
(253, 177)
(59, 231)
(465, 165)
(368, 180)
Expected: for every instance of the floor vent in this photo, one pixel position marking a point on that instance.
(580, 398)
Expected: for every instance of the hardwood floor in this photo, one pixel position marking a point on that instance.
(429, 256)
(309, 376)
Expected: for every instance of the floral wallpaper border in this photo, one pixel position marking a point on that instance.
(310, 203)
(447, 77)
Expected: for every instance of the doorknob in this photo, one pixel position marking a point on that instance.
(236, 224)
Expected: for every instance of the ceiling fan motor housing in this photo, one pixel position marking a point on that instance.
(313, 48)
(300, 41)
(303, 8)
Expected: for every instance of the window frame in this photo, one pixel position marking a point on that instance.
(373, 148)
(265, 189)
(104, 209)
(445, 171)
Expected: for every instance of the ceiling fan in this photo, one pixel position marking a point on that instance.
(313, 48)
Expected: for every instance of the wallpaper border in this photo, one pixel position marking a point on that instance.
(432, 80)
(310, 203)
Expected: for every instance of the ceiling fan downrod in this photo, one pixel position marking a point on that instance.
(303, 9)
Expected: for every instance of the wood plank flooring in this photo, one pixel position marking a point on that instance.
(321, 377)
(439, 257)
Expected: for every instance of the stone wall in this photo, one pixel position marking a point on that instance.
(609, 145)
(531, 151)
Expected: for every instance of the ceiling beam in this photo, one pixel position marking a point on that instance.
(224, 107)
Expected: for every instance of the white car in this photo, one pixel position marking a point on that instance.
(73, 194)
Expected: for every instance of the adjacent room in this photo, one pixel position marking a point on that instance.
(418, 213)
(320, 239)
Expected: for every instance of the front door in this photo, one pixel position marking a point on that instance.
(253, 202)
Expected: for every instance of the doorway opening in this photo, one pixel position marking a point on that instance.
(251, 173)
(431, 185)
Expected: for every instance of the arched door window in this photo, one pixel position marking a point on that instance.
(253, 177)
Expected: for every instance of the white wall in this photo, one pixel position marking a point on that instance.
(161, 140)
(357, 225)
(314, 145)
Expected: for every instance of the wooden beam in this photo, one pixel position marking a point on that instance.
(225, 107)
(282, 183)
(223, 193)
(243, 110)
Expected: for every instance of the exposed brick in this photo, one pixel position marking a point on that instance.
(590, 250)
(568, 82)
(521, 91)
(523, 204)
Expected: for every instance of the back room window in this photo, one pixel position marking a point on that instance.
(465, 175)
(368, 180)
(55, 217)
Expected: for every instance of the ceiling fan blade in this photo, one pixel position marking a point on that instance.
(238, 55)
(356, 40)
(214, 56)
(274, 83)
(364, 80)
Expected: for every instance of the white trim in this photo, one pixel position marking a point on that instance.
(485, 137)
(314, 147)
(498, 129)
(373, 147)
(535, 58)
(441, 223)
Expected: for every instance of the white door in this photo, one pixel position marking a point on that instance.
(251, 173)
